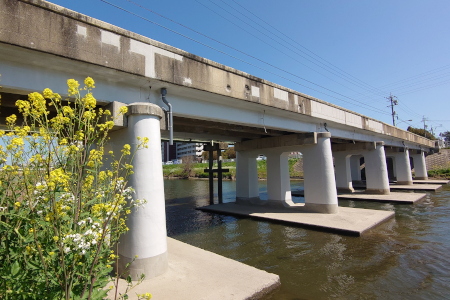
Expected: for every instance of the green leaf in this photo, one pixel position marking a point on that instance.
(15, 268)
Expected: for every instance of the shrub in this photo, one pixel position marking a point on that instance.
(64, 200)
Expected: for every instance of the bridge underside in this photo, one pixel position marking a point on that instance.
(185, 129)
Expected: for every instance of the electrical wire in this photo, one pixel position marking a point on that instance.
(320, 59)
(237, 50)
(361, 104)
(270, 44)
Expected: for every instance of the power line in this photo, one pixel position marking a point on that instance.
(417, 76)
(325, 62)
(271, 44)
(364, 105)
(425, 87)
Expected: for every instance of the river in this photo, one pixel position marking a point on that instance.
(404, 258)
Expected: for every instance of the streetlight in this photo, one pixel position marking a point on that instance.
(404, 121)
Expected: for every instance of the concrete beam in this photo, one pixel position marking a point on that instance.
(356, 147)
(298, 139)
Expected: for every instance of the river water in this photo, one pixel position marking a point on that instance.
(404, 258)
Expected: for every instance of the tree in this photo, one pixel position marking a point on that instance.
(205, 155)
(229, 153)
(421, 132)
(445, 135)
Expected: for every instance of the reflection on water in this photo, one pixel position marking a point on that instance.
(405, 258)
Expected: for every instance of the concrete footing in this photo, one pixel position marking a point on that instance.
(396, 197)
(416, 187)
(351, 221)
(430, 181)
(198, 274)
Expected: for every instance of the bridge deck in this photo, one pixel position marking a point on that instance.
(198, 274)
(352, 221)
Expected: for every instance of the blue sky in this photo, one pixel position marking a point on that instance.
(352, 53)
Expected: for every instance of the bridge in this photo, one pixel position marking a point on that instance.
(175, 95)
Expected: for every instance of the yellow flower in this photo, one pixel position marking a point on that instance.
(17, 141)
(89, 82)
(146, 296)
(89, 100)
(73, 87)
(56, 238)
(51, 253)
(48, 93)
(88, 115)
(37, 103)
(123, 110)
(126, 149)
(11, 120)
(68, 111)
(23, 106)
(17, 204)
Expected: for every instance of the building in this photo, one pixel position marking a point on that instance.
(190, 149)
(168, 153)
(179, 150)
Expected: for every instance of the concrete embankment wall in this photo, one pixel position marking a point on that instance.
(438, 160)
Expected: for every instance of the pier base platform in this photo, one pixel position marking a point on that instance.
(393, 197)
(198, 274)
(351, 221)
(431, 181)
(416, 187)
(396, 198)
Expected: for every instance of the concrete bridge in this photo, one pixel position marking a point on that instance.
(42, 45)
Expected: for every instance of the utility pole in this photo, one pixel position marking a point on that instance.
(424, 126)
(394, 101)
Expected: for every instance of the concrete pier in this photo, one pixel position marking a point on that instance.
(320, 185)
(420, 166)
(347, 156)
(146, 238)
(402, 166)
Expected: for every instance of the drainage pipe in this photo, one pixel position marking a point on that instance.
(170, 118)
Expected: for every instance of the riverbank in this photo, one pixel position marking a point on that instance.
(196, 170)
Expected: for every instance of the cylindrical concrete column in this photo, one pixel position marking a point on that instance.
(320, 184)
(278, 180)
(403, 167)
(246, 177)
(146, 240)
(390, 163)
(355, 166)
(376, 171)
(420, 166)
(343, 172)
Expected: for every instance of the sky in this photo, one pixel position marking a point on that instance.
(352, 53)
